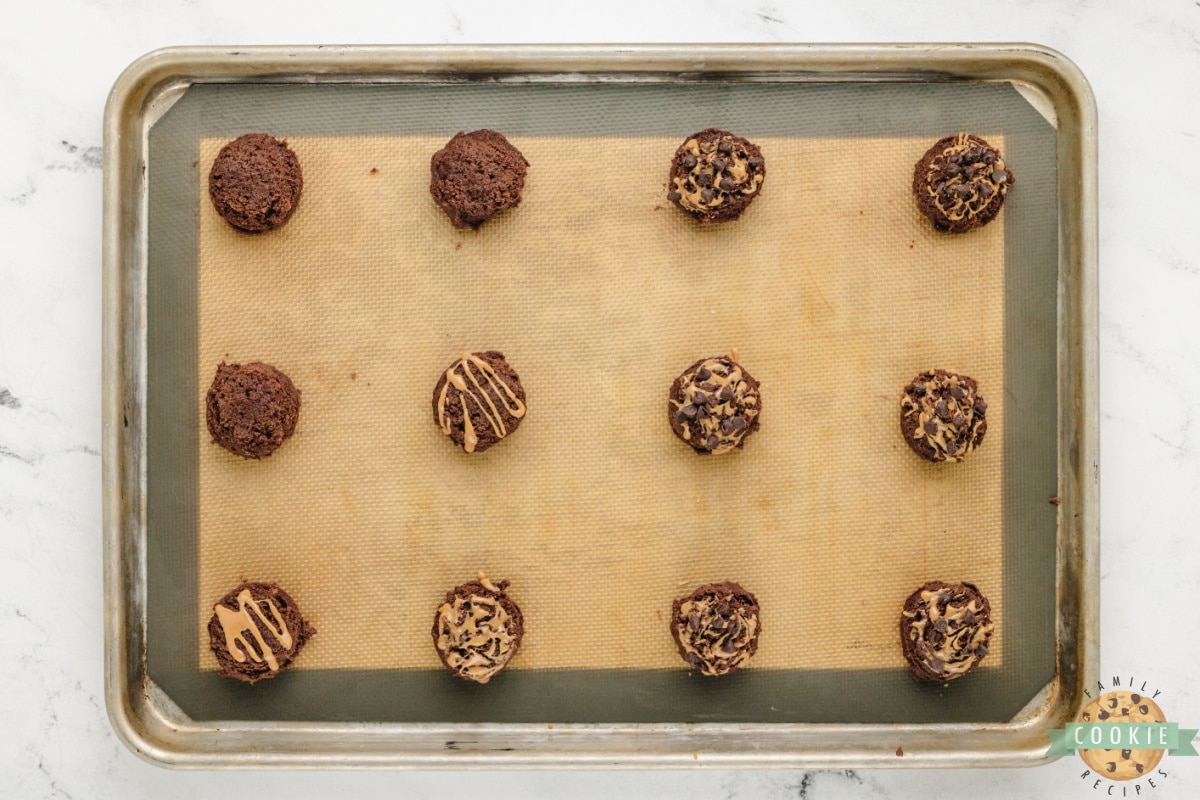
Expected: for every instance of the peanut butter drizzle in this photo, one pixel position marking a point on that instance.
(964, 635)
(977, 200)
(737, 169)
(474, 634)
(234, 623)
(719, 641)
(457, 375)
(728, 409)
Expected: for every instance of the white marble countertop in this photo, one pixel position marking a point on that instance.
(57, 63)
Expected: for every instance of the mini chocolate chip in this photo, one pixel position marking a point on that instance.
(956, 392)
(951, 448)
(738, 423)
(693, 660)
(959, 420)
(726, 427)
(980, 406)
(673, 196)
(955, 159)
(943, 409)
(969, 617)
(963, 190)
(681, 417)
(711, 444)
(931, 428)
(704, 178)
(999, 176)
(701, 412)
(720, 163)
(703, 374)
(936, 664)
(941, 625)
(986, 189)
(917, 390)
(969, 173)
(726, 146)
(688, 411)
(727, 394)
(689, 161)
(699, 398)
(724, 609)
(755, 162)
(707, 195)
(953, 169)
(717, 624)
(727, 184)
(989, 158)
(982, 650)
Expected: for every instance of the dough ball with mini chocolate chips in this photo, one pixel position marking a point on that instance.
(478, 629)
(942, 416)
(961, 183)
(478, 401)
(716, 628)
(256, 632)
(714, 405)
(945, 629)
(251, 409)
(476, 176)
(716, 175)
(255, 182)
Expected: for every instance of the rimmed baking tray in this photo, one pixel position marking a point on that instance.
(168, 706)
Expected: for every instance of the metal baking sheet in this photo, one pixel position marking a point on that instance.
(168, 710)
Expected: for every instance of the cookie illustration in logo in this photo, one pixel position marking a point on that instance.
(1122, 765)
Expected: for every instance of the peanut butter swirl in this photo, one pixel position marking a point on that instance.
(716, 167)
(471, 377)
(717, 628)
(948, 630)
(245, 619)
(477, 630)
(949, 415)
(966, 178)
(714, 405)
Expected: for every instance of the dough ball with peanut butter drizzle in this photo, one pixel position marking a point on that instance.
(960, 183)
(714, 405)
(942, 416)
(716, 175)
(945, 629)
(478, 401)
(256, 631)
(478, 629)
(716, 628)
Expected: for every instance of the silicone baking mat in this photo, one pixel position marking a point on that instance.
(832, 286)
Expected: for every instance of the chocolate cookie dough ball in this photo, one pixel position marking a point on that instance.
(961, 183)
(476, 176)
(251, 409)
(255, 182)
(942, 416)
(477, 631)
(716, 628)
(714, 405)
(256, 632)
(478, 401)
(716, 175)
(944, 630)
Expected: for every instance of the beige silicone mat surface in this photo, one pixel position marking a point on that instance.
(833, 288)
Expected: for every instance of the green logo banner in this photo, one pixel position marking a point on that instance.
(1122, 736)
